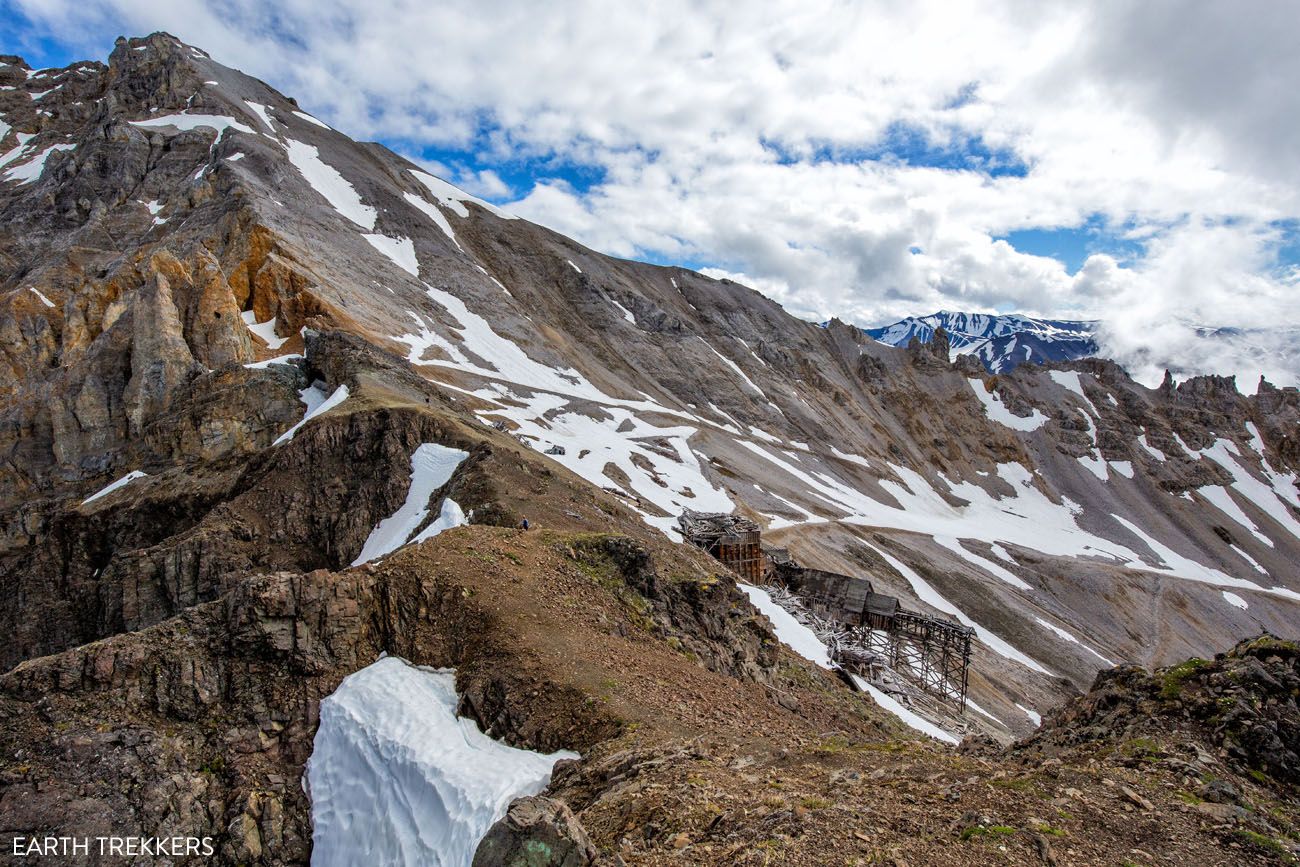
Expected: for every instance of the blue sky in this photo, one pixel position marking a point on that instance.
(868, 161)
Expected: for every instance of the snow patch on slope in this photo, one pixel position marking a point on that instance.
(659, 466)
(931, 597)
(30, 170)
(627, 314)
(998, 412)
(736, 369)
(17, 150)
(662, 472)
(264, 330)
(432, 466)
(1070, 379)
(1190, 570)
(113, 486)
(400, 250)
(1234, 600)
(1150, 449)
(1003, 574)
(317, 404)
(1071, 639)
(279, 359)
(1272, 498)
(262, 113)
(789, 631)
(304, 116)
(1222, 500)
(396, 779)
(432, 211)
(912, 720)
(455, 198)
(216, 122)
(332, 186)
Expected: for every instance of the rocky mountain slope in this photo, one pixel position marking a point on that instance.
(191, 266)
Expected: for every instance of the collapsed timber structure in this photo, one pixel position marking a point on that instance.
(731, 538)
(869, 629)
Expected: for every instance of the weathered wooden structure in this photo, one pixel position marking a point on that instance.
(731, 538)
(930, 651)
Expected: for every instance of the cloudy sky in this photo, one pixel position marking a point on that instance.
(1133, 162)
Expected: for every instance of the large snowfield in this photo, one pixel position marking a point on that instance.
(396, 779)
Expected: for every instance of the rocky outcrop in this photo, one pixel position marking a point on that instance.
(221, 701)
(181, 536)
(536, 832)
(1243, 703)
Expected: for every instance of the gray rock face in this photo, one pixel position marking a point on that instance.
(536, 832)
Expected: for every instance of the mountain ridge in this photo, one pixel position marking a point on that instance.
(203, 285)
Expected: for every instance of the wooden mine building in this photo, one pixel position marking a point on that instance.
(930, 651)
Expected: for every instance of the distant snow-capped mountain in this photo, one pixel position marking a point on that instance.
(999, 342)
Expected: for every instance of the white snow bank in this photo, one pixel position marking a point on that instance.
(1150, 449)
(317, 404)
(1222, 500)
(400, 250)
(279, 359)
(1070, 379)
(332, 186)
(41, 295)
(431, 211)
(397, 779)
(1251, 560)
(1033, 715)
(303, 115)
(451, 515)
(735, 368)
(113, 486)
(998, 412)
(891, 704)
(262, 113)
(848, 458)
(217, 122)
(627, 314)
(1066, 636)
(432, 466)
(26, 172)
(455, 198)
(537, 398)
(1191, 570)
(155, 207)
(1124, 468)
(1235, 600)
(1273, 498)
(791, 632)
(17, 150)
(264, 330)
(999, 572)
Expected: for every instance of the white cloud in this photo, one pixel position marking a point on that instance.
(714, 127)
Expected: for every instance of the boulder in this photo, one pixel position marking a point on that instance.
(536, 832)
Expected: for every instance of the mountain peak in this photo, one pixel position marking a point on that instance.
(999, 341)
